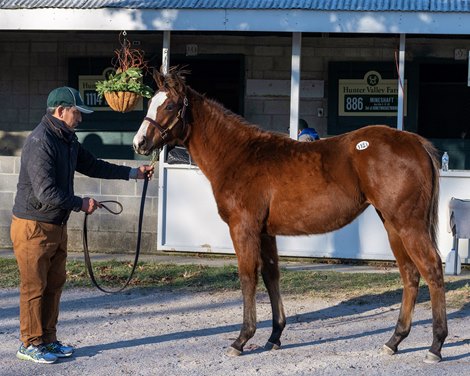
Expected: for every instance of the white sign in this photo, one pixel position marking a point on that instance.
(191, 50)
(460, 54)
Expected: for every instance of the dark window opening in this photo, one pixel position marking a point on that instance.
(444, 101)
(218, 77)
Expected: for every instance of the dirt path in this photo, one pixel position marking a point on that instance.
(149, 332)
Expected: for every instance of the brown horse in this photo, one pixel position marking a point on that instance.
(264, 183)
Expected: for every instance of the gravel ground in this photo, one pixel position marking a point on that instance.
(150, 332)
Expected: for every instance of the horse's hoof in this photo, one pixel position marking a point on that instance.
(232, 351)
(271, 346)
(387, 350)
(432, 358)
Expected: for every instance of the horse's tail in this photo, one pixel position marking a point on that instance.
(434, 194)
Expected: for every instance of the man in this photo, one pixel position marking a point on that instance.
(306, 133)
(44, 200)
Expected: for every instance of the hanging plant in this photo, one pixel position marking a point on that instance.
(123, 89)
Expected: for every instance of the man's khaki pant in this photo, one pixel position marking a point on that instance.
(41, 251)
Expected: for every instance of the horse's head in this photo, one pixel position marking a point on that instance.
(166, 121)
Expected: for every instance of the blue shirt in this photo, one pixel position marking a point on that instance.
(308, 134)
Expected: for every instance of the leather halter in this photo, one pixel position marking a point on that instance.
(165, 131)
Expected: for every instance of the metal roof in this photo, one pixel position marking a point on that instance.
(451, 17)
(318, 5)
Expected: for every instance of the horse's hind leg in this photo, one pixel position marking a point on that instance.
(416, 245)
(247, 247)
(425, 256)
(270, 274)
(410, 277)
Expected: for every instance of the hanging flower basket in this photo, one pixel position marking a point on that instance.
(123, 89)
(122, 101)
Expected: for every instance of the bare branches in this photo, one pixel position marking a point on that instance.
(127, 57)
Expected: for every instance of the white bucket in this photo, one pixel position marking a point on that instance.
(450, 264)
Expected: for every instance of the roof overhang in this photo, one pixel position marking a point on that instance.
(236, 20)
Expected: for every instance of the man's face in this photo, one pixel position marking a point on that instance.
(71, 116)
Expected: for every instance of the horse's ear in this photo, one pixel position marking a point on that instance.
(175, 80)
(159, 78)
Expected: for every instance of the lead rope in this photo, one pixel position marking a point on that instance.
(139, 235)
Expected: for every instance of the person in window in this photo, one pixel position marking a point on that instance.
(43, 203)
(307, 133)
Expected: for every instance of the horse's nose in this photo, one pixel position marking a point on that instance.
(139, 143)
(142, 142)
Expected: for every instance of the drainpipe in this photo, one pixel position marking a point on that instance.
(166, 51)
(401, 83)
(162, 188)
(295, 85)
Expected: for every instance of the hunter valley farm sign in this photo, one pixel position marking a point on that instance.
(369, 96)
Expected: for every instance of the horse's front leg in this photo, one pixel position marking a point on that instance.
(270, 274)
(247, 247)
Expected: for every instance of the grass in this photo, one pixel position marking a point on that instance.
(358, 288)
(9, 273)
(151, 274)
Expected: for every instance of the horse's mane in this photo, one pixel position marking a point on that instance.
(174, 81)
(230, 135)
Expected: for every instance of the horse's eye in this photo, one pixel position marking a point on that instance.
(170, 107)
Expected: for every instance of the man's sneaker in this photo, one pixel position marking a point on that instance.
(37, 354)
(59, 350)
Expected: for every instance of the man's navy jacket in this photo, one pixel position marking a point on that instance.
(50, 156)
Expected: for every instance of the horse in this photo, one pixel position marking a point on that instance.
(266, 184)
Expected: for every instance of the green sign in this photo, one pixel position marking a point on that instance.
(370, 96)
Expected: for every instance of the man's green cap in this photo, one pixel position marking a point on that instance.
(67, 97)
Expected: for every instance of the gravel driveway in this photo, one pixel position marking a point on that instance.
(150, 332)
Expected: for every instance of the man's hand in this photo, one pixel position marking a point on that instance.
(89, 205)
(145, 170)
